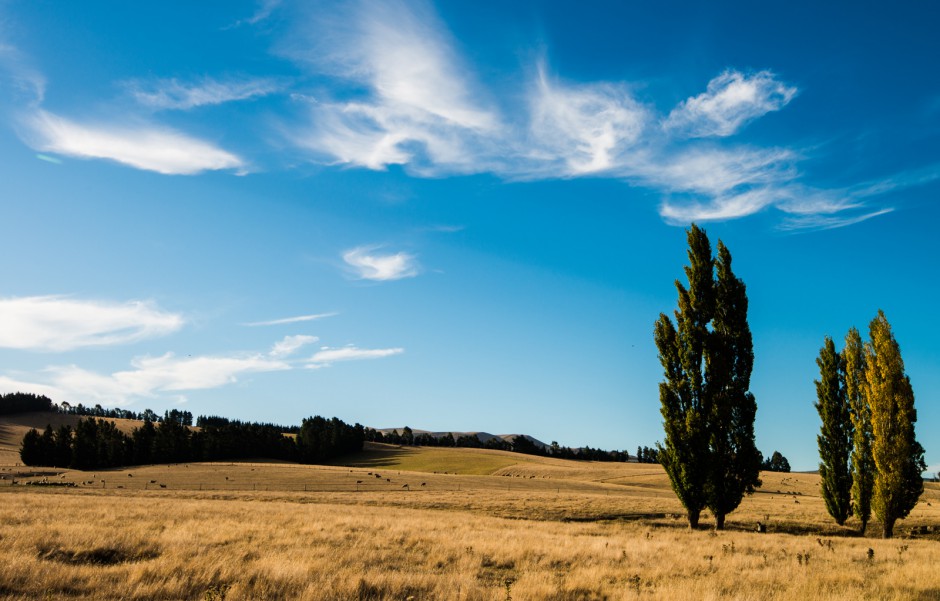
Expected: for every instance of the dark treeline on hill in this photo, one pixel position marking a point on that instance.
(647, 455)
(96, 443)
(206, 421)
(24, 402)
(776, 463)
(519, 444)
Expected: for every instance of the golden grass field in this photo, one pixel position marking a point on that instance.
(471, 525)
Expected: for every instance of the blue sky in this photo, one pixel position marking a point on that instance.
(463, 216)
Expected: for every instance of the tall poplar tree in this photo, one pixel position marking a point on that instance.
(708, 411)
(684, 408)
(863, 464)
(734, 461)
(835, 434)
(899, 458)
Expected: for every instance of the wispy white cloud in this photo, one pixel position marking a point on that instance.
(287, 320)
(8, 385)
(586, 127)
(720, 208)
(369, 265)
(144, 147)
(804, 207)
(290, 344)
(389, 86)
(416, 105)
(898, 181)
(828, 222)
(731, 100)
(55, 323)
(422, 109)
(163, 94)
(27, 82)
(153, 375)
(713, 172)
(328, 356)
(264, 10)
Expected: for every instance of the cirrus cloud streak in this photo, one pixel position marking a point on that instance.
(144, 147)
(57, 323)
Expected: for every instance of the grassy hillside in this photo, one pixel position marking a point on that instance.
(14, 427)
(428, 524)
(479, 462)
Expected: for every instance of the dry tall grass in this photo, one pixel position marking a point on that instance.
(155, 545)
(534, 528)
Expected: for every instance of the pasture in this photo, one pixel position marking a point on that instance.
(454, 524)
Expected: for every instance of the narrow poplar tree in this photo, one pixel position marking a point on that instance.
(899, 458)
(707, 408)
(735, 462)
(684, 454)
(863, 464)
(835, 434)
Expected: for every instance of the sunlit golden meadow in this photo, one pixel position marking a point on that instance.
(427, 524)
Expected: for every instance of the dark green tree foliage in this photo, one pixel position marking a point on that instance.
(684, 454)
(97, 443)
(320, 439)
(23, 402)
(51, 448)
(862, 462)
(143, 443)
(62, 446)
(776, 463)
(172, 441)
(835, 434)
(708, 410)
(31, 449)
(735, 461)
(238, 440)
(647, 455)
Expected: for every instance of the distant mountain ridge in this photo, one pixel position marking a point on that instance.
(483, 436)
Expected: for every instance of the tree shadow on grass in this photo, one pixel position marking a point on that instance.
(385, 458)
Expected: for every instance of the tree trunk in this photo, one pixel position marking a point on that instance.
(719, 521)
(864, 527)
(888, 531)
(693, 518)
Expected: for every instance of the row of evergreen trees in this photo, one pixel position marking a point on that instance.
(24, 402)
(518, 444)
(97, 443)
(27, 402)
(870, 457)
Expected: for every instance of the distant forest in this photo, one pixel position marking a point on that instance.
(518, 444)
(97, 443)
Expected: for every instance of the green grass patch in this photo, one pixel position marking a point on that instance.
(476, 462)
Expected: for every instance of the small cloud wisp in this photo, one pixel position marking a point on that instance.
(368, 265)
